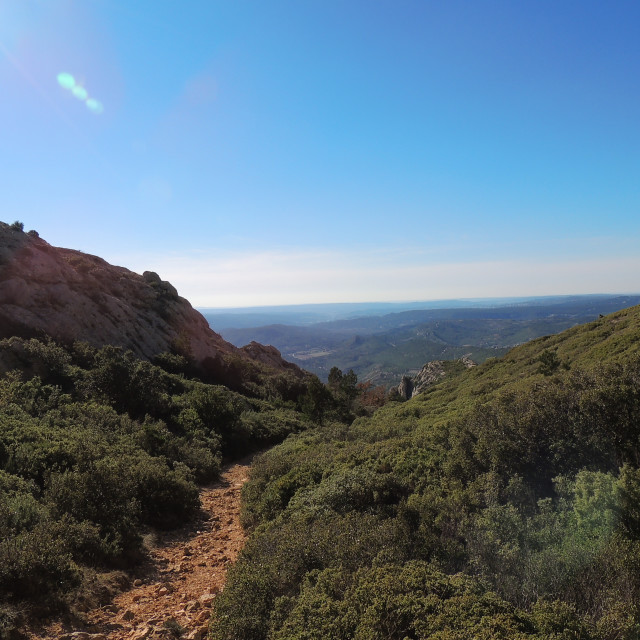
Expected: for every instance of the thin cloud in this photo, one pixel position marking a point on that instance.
(270, 278)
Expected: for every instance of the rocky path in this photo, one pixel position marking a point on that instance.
(173, 596)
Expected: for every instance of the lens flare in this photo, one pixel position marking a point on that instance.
(66, 81)
(80, 93)
(94, 106)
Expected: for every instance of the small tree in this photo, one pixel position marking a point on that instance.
(334, 379)
(344, 390)
(317, 400)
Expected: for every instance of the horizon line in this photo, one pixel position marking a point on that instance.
(487, 299)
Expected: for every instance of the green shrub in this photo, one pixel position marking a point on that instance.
(358, 489)
(36, 565)
(19, 510)
(277, 559)
(167, 497)
(102, 493)
(394, 602)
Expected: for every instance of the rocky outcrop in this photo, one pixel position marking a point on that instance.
(405, 388)
(70, 295)
(268, 355)
(430, 374)
(468, 362)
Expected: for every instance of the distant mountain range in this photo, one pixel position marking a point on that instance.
(309, 314)
(381, 346)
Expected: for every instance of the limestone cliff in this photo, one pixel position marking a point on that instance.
(70, 295)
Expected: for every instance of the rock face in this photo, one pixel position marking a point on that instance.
(405, 388)
(431, 373)
(71, 295)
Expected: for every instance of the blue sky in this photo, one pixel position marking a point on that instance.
(272, 152)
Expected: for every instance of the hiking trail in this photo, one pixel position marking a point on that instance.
(176, 586)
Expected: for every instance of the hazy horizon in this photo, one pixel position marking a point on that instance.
(435, 304)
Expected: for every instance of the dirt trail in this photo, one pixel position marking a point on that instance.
(177, 586)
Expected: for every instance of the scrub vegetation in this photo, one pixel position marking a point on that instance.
(501, 503)
(97, 447)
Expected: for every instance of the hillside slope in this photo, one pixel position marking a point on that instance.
(500, 503)
(69, 295)
(610, 340)
(116, 401)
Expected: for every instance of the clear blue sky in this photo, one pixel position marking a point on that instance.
(273, 152)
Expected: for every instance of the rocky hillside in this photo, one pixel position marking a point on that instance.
(116, 400)
(70, 295)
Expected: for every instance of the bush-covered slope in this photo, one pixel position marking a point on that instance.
(97, 446)
(502, 503)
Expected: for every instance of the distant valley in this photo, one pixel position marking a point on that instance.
(381, 347)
